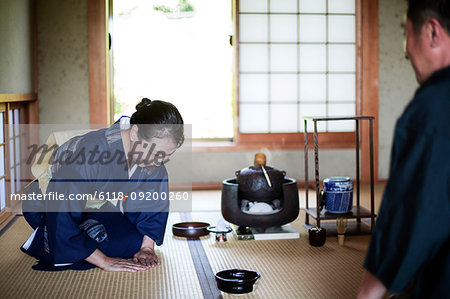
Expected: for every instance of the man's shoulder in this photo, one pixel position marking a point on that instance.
(429, 110)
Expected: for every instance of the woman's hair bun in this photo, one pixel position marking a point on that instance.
(164, 115)
(145, 102)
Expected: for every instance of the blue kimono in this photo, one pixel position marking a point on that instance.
(411, 239)
(70, 230)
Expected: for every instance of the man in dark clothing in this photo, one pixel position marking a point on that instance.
(410, 246)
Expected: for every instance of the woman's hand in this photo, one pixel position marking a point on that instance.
(122, 265)
(107, 263)
(146, 256)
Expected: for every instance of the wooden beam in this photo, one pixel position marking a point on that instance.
(17, 97)
(98, 53)
(369, 84)
(33, 107)
(287, 140)
(236, 85)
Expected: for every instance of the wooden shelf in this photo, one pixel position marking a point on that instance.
(353, 227)
(353, 214)
(357, 212)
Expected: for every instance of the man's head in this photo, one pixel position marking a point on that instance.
(428, 36)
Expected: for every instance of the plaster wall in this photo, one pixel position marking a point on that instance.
(16, 47)
(397, 81)
(63, 61)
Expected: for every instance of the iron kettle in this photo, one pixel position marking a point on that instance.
(259, 182)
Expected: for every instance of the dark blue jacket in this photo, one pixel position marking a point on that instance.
(411, 239)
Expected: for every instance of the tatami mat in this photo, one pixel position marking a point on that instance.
(292, 268)
(175, 278)
(289, 268)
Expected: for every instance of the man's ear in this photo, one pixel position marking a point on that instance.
(134, 133)
(434, 32)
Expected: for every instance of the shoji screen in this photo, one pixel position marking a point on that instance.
(296, 58)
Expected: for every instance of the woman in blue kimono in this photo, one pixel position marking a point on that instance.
(117, 230)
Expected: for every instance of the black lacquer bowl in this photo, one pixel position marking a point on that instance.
(190, 229)
(236, 281)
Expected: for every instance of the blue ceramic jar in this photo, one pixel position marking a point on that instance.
(338, 194)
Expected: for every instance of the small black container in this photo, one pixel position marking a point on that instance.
(317, 236)
(190, 229)
(236, 281)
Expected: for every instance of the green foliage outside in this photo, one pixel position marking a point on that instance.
(182, 6)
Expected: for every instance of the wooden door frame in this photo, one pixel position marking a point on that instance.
(100, 99)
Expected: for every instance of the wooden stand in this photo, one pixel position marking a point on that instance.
(357, 212)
